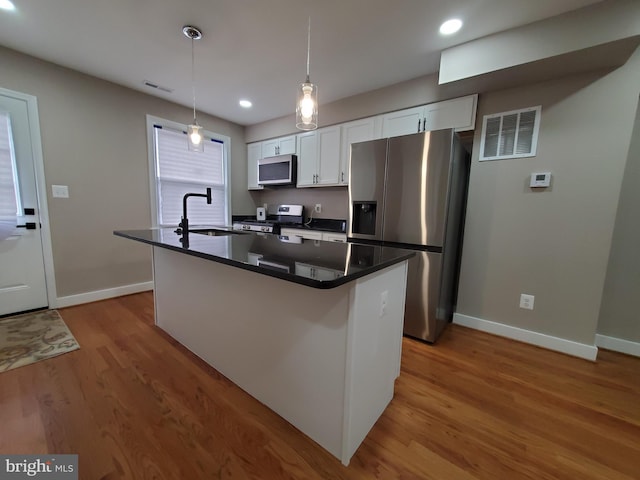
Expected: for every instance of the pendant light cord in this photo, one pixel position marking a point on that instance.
(308, 48)
(193, 81)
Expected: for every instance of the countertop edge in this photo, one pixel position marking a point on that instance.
(321, 285)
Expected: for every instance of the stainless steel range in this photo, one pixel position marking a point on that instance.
(287, 215)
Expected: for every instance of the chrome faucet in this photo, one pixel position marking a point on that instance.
(183, 226)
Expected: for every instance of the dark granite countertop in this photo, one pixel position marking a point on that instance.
(313, 263)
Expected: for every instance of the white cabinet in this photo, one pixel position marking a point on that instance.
(353, 132)
(302, 233)
(458, 113)
(254, 153)
(314, 235)
(317, 273)
(334, 237)
(402, 122)
(319, 157)
(268, 148)
(279, 146)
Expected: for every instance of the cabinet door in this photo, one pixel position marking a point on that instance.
(403, 122)
(270, 147)
(353, 132)
(287, 145)
(254, 153)
(328, 156)
(307, 159)
(458, 113)
(334, 237)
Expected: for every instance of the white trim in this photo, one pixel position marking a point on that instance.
(618, 345)
(41, 189)
(97, 295)
(582, 350)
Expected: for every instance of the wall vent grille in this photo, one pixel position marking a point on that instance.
(512, 134)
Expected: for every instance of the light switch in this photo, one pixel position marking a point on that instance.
(60, 191)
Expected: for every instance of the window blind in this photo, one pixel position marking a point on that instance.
(179, 171)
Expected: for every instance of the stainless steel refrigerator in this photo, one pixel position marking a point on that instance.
(411, 191)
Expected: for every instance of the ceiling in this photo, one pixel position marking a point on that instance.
(256, 49)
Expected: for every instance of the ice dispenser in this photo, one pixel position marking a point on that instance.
(364, 218)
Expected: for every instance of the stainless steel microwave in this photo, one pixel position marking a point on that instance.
(278, 170)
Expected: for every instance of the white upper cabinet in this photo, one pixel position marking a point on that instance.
(319, 157)
(458, 113)
(254, 153)
(402, 122)
(353, 132)
(279, 146)
(268, 148)
(307, 158)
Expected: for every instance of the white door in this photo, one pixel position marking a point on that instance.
(22, 272)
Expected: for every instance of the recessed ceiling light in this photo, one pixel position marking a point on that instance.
(245, 103)
(450, 26)
(7, 5)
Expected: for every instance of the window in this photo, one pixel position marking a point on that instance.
(510, 134)
(9, 198)
(177, 171)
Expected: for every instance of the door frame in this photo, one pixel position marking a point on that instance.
(41, 189)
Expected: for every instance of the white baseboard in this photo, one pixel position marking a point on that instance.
(96, 295)
(582, 350)
(618, 345)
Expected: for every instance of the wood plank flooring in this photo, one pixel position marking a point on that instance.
(136, 405)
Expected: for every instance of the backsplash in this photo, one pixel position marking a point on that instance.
(334, 200)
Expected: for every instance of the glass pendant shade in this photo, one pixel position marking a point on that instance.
(195, 138)
(307, 106)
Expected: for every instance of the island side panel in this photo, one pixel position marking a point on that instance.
(283, 343)
(373, 351)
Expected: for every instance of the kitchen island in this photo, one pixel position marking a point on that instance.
(311, 329)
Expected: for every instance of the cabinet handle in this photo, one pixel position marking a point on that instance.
(418, 125)
(342, 177)
(424, 124)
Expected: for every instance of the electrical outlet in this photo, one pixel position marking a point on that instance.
(384, 299)
(318, 208)
(526, 301)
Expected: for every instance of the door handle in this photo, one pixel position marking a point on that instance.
(28, 226)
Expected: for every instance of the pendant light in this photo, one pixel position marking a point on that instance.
(307, 106)
(195, 139)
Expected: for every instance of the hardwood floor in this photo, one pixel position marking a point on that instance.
(134, 404)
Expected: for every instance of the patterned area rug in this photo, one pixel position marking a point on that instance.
(28, 338)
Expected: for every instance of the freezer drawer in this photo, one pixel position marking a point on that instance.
(425, 313)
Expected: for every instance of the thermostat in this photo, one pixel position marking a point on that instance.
(540, 179)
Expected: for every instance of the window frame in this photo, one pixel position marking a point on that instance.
(153, 167)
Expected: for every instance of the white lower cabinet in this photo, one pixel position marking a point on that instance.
(314, 235)
(299, 232)
(334, 237)
(317, 273)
